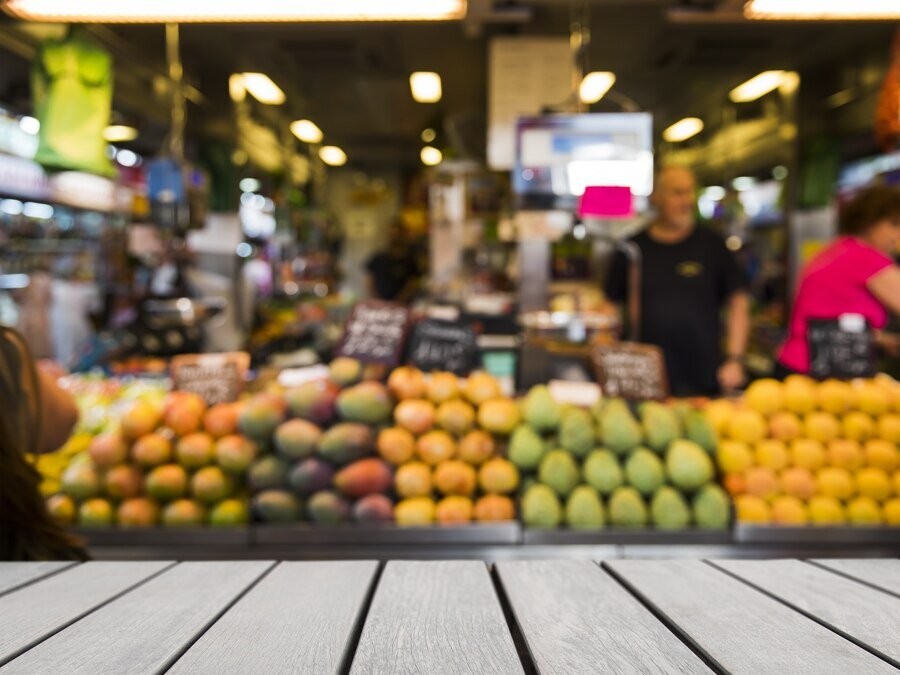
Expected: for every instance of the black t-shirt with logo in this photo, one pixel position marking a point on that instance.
(683, 288)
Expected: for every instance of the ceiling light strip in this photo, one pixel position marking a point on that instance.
(226, 11)
(823, 10)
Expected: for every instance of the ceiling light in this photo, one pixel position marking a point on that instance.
(428, 135)
(236, 89)
(11, 207)
(306, 131)
(426, 87)
(595, 85)
(431, 156)
(29, 125)
(683, 130)
(218, 11)
(261, 87)
(871, 10)
(742, 183)
(332, 155)
(780, 172)
(119, 133)
(249, 185)
(758, 86)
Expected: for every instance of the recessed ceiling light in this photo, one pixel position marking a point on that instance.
(426, 87)
(431, 156)
(758, 86)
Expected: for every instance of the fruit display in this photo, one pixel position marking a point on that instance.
(170, 462)
(612, 467)
(808, 453)
(413, 450)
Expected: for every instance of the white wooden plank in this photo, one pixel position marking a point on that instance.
(301, 618)
(16, 574)
(739, 628)
(36, 611)
(862, 613)
(881, 572)
(575, 618)
(435, 617)
(146, 630)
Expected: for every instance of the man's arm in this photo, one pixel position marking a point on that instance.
(737, 331)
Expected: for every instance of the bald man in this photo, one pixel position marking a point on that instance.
(690, 288)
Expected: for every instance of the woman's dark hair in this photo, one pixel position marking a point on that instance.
(869, 207)
(27, 531)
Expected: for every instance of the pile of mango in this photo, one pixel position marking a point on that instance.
(808, 453)
(167, 461)
(590, 469)
(415, 450)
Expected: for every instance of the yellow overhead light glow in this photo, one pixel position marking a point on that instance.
(332, 155)
(223, 11)
(426, 87)
(757, 87)
(823, 10)
(683, 130)
(595, 85)
(236, 88)
(306, 131)
(119, 133)
(431, 156)
(261, 87)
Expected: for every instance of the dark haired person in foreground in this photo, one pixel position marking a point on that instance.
(36, 416)
(855, 275)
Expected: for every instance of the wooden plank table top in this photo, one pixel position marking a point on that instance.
(553, 616)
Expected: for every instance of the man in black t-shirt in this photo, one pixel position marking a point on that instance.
(396, 272)
(687, 278)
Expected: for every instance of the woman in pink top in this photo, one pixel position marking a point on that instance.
(854, 275)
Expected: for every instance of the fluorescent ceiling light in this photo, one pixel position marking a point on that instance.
(29, 125)
(683, 130)
(823, 10)
(757, 87)
(119, 133)
(261, 87)
(595, 85)
(37, 211)
(306, 131)
(431, 156)
(742, 183)
(715, 192)
(11, 207)
(236, 88)
(426, 87)
(221, 11)
(332, 155)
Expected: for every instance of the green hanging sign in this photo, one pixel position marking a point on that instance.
(71, 83)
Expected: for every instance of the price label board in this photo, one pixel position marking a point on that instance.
(443, 345)
(843, 348)
(375, 333)
(631, 370)
(218, 378)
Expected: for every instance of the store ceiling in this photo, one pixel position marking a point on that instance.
(352, 80)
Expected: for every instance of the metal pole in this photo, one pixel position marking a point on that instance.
(176, 77)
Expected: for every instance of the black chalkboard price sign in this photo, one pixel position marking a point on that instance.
(631, 370)
(443, 345)
(842, 348)
(217, 378)
(375, 333)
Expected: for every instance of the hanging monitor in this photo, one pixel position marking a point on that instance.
(559, 156)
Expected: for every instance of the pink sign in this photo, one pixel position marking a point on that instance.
(606, 201)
